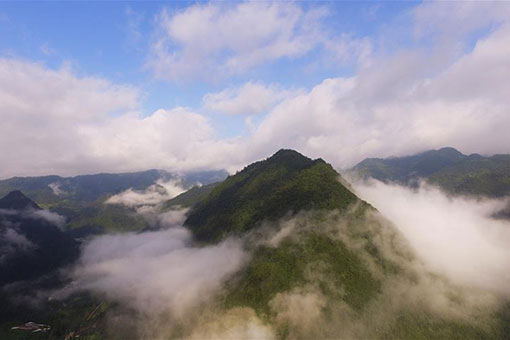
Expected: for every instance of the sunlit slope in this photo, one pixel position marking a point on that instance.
(285, 183)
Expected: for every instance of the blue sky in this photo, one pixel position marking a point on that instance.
(110, 39)
(118, 86)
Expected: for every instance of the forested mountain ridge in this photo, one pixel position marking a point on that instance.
(285, 183)
(81, 199)
(46, 190)
(448, 168)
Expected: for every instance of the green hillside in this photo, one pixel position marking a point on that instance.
(285, 183)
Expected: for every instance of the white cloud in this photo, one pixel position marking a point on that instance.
(146, 270)
(176, 139)
(219, 39)
(454, 236)
(172, 218)
(42, 111)
(250, 98)
(452, 19)
(155, 194)
(52, 217)
(392, 109)
(54, 121)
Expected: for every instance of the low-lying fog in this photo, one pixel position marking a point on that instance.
(455, 236)
(156, 271)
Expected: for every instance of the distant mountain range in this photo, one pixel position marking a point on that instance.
(47, 190)
(448, 168)
(81, 198)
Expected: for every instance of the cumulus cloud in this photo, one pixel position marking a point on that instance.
(455, 236)
(155, 194)
(218, 39)
(54, 121)
(392, 110)
(250, 98)
(43, 111)
(156, 272)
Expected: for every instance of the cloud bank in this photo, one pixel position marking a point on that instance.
(455, 236)
(155, 194)
(156, 272)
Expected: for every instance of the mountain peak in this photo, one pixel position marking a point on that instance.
(290, 158)
(284, 183)
(18, 201)
(288, 153)
(449, 151)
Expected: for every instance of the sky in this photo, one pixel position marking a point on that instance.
(115, 86)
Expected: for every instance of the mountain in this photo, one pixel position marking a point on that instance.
(318, 248)
(50, 189)
(17, 201)
(33, 249)
(450, 169)
(285, 183)
(319, 263)
(81, 198)
(31, 242)
(191, 197)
